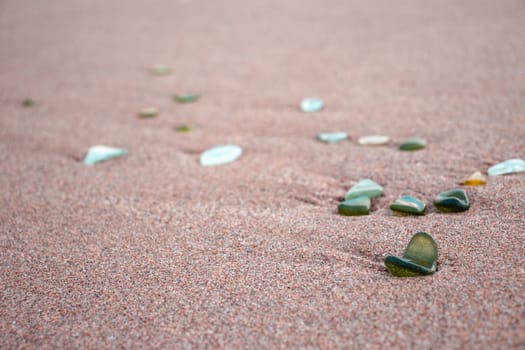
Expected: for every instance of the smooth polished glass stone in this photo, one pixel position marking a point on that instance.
(220, 155)
(332, 137)
(355, 206)
(311, 104)
(186, 97)
(476, 179)
(454, 200)
(149, 112)
(510, 166)
(408, 204)
(364, 187)
(183, 128)
(413, 144)
(419, 258)
(160, 69)
(28, 102)
(373, 140)
(97, 154)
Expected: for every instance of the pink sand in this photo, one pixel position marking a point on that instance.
(155, 251)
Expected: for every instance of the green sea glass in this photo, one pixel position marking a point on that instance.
(149, 112)
(160, 69)
(186, 97)
(97, 154)
(408, 204)
(373, 140)
(332, 137)
(510, 166)
(419, 258)
(413, 144)
(355, 206)
(183, 128)
(364, 187)
(220, 155)
(311, 104)
(455, 200)
(28, 102)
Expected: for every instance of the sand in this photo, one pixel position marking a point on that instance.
(154, 251)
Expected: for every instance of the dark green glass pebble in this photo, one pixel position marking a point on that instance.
(413, 144)
(28, 102)
(355, 206)
(455, 200)
(419, 258)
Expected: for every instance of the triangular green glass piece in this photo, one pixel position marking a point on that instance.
(454, 200)
(355, 206)
(507, 167)
(332, 137)
(420, 257)
(97, 154)
(364, 187)
(422, 250)
(220, 155)
(408, 204)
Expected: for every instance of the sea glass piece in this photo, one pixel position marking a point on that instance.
(312, 104)
(97, 154)
(355, 206)
(220, 155)
(149, 112)
(419, 258)
(186, 97)
(332, 137)
(28, 102)
(183, 128)
(476, 179)
(413, 144)
(408, 204)
(364, 187)
(510, 166)
(373, 140)
(160, 69)
(454, 200)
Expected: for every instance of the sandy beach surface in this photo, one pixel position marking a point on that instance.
(154, 251)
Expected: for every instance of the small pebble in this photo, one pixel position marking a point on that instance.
(312, 104)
